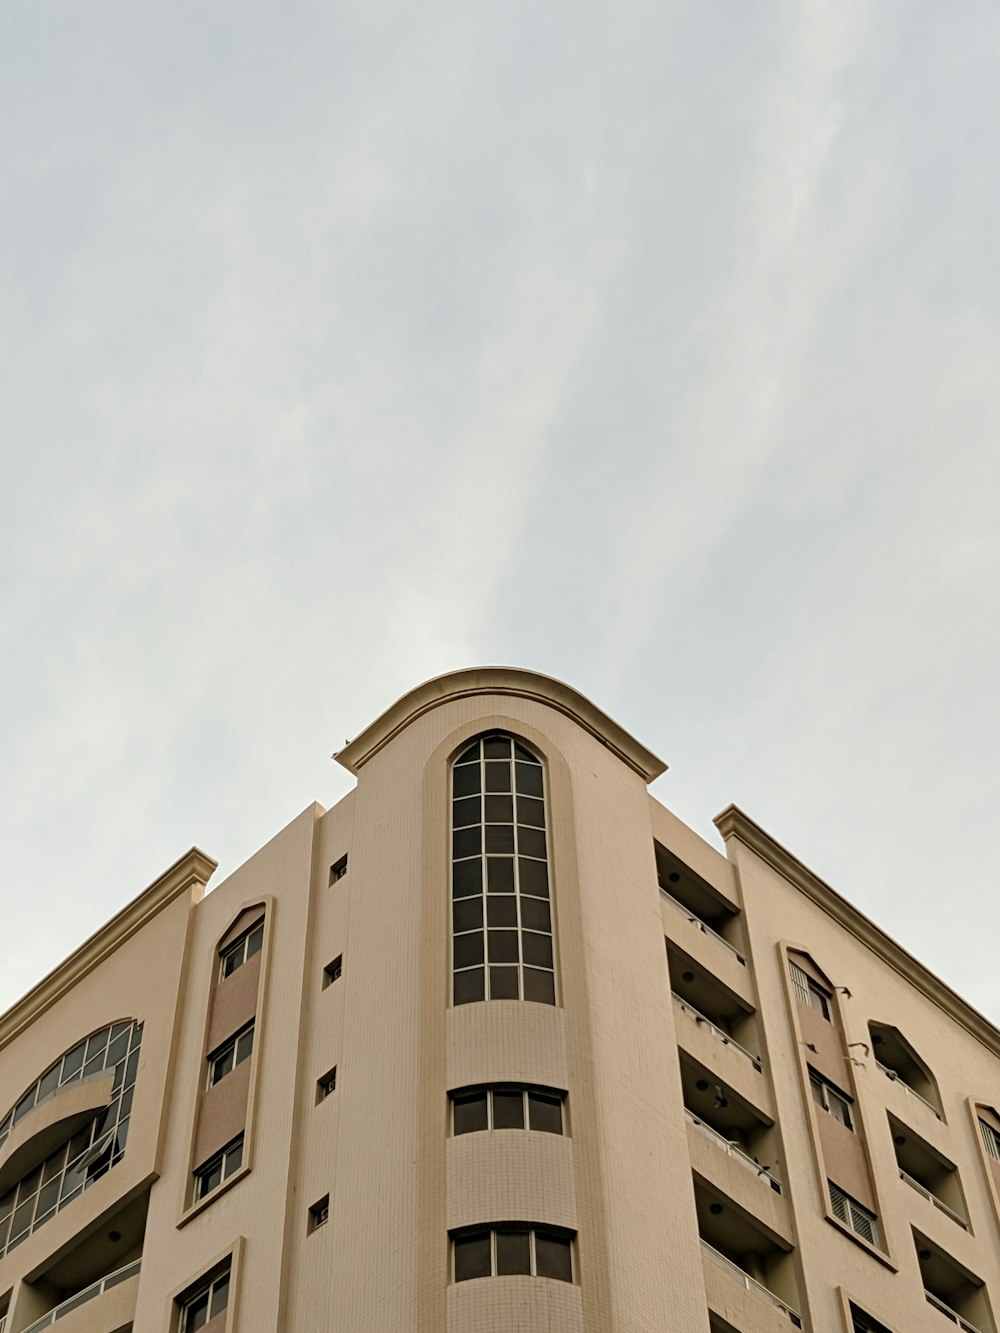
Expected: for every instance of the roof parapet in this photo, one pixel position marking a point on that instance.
(499, 680)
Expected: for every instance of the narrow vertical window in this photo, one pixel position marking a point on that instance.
(501, 912)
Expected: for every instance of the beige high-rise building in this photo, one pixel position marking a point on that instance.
(497, 1045)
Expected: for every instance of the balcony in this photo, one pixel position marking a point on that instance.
(933, 1198)
(734, 1151)
(701, 925)
(951, 1314)
(785, 1314)
(926, 1169)
(720, 1034)
(902, 1083)
(120, 1305)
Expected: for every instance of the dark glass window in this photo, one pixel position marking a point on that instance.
(509, 1248)
(506, 1107)
(473, 1256)
(500, 875)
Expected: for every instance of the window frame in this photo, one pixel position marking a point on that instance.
(319, 1214)
(339, 869)
(533, 1230)
(990, 1137)
(201, 1173)
(527, 1092)
(829, 1096)
(333, 971)
(326, 1085)
(231, 1046)
(240, 948)
(503, 938)
(809, 992)
(850, 1211)
(207, 1288)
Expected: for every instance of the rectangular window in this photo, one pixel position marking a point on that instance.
(219, 1168)
(832, 1100)
(229, 1055)
(475, 1109)
(511, 1249)
(206, 1301)
(853, 1214)
(241, 950)
(991, 1139)
(808, 991)
(319, 1214)
(326, 1085)
(338, 870)
(332, 972)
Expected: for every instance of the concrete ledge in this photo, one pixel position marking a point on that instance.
(511, 1175)
(514, 1305)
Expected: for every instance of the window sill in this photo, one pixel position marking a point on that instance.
(209, 1199)
(873, 1250)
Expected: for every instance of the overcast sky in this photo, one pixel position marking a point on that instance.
(652, 346)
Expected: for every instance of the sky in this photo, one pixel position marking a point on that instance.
(652, 346)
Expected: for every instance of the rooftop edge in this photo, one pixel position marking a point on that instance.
(516, 681)
(733, 823)
(189, 872)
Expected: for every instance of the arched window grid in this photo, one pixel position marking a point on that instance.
(83, 1159)
(502, 936)
(90, 1057)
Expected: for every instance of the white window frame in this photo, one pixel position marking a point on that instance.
(222, 1157)
(240, 949)
(810, 992)
(991, 1139)
(209, 1290)
(831, 1097)
(239, 1046)
(853, 1214)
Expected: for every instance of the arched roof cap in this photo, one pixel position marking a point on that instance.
(513, 681)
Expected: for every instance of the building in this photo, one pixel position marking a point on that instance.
(497, 1045)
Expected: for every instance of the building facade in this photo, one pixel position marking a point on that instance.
(497, 1045)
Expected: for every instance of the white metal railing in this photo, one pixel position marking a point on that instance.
(898, 1078)
(82, 1297)
(928, 1194)
(949, 1313)
(718, 1032)
(752, 1285)
(703, 926)
(733, 1149)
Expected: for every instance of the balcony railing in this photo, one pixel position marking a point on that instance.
(732, 1149)
(949, 1313)
(702, 926)
(82, 1297)
(717, 1032)
(751, 1285)
(938, 1203)
(897, 1078)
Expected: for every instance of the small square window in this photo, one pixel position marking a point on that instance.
(332, 971)
(326, 1085)
(319, 1214)
(338, 870)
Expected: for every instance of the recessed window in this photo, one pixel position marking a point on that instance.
(991, 1139)
(809, 992)
(242, 950)
(853, 1214)
(219, 1168)
(229, 1055)
(332, 972)
(338, 870)
(865, 1323)
(501, 905)
(832, 1100)
(511, 1249)
(319, 1214)
(326, 1085)
(507, 1108)
(204, 1303)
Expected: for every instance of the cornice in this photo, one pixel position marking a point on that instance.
(188, 874)
(499, 681)
(733, 823)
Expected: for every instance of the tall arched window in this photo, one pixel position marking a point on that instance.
(501, 914)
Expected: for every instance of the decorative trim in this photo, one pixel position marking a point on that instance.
(733, 823)
(189, 874)
(514, 681)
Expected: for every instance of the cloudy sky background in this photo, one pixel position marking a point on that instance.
(653, 346)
